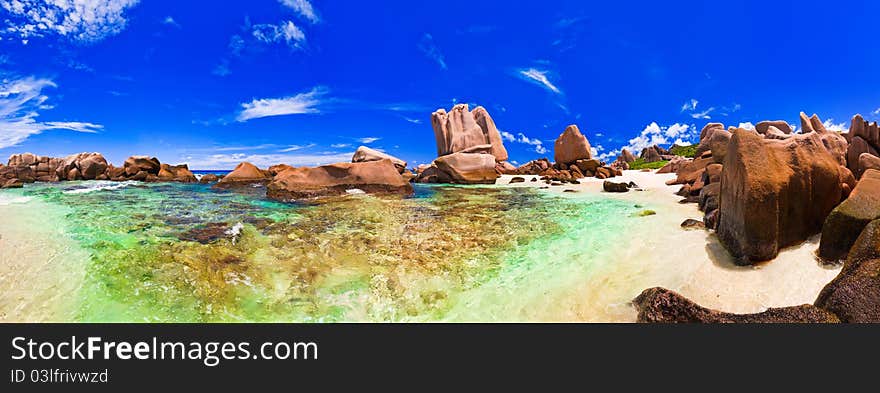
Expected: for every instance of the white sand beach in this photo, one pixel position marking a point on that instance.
(691, 262)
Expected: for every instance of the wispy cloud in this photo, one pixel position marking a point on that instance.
(222, 69)
(292, 148)
(522, 138)
(21, 101)
(170, 22)
(286, 32)
(430, 49)
(302, 103)
(691, 108)
(540, 78)
(81, 21)
(414, 121)
(340, 145)
(303, 8)
(876, 112)
(368, 140)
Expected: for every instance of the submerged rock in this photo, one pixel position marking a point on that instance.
(207, 233)
(372, 177)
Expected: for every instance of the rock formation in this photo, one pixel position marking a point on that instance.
(373, 177)
(854, 295)
(460, 129)
(775, 194)
(847, 220)
(571, 146)
(244, 174)
(763, 127)
(176, 173)
(468, 168)
(864, 138)
(366, 154)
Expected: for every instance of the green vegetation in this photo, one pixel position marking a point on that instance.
(684, 151)
(640, 163)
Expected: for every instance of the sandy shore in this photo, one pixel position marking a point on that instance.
(691, 262)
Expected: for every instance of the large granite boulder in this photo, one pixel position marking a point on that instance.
(651, 154)
(91, 166)
(244, 174)
(854, 295)
(659, 305)
(135, 164)
(468, 168)
(868, 161)
(372, 177)
(857, 147)
(774, 193)
(366, 154)
(460, 129)
(626, 156)
(847, 220)
(571, 146)
(716, 141)
(176, 173)
(811, 124)
(781, 125)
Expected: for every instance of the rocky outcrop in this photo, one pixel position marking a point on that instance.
(715, 141)
(146, 164)
(366, 154)
(371, 177)
(609, 186)
(571, 146)
(176, 173)
(865, 138)
(811, 124)
(847, 220)
(675, 165)
(468, 168)
(460, 129)
(505, 168)
(651, 154)
(626, 156)
(659, 305)
(854, 295)
(277, 168)
(775, 194)
(209, 178)
(868, 161)
(764, 127)
(244, 174)
(534, 167)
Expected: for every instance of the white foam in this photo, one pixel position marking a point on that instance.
(6, 200)
(100, 186)
(355, 191)
(235, 231)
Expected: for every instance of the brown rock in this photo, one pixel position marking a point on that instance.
(209, 178)
(534, 167)
(135, 164)
(690, 223)
(716, 141)
(91, 166)
(74, 174)
(277, 168)
(674, 165)
(12, 183)
(517, 180)
(650, 154)
(659, 305)
(468, 168)
(857, 147)
(811, 124)
(626, 156)
(460, 129)
(847, 220)
(868, 161)
(571, 146)
(774, 194)
(113, 172)
(372, 177)
(432, 174)
(780, 125)
(775, 133)
(244, 174)
(709, 128)
(690, 171)
(713, 172)
(366, 154)
(610, 186)
(505, 168)
(176, 173)
(854, 295)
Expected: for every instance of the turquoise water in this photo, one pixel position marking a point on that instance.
(185, 252)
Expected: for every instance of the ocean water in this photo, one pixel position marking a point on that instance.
(104, 251)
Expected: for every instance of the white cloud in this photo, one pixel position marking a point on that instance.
(340, 145)
(21, 101)
(653, 134)
(747, 125)
(430, 49)
(295, 105)
(229, 161)
(876, 112)
(704, 114)
(522, 138)
(286, 32)
(368, 140)
(539, 77)
(303, 8)
(839, 127)
(691, 108)
(414, 121)
(84, 21)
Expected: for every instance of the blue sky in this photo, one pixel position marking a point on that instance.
(307, 81)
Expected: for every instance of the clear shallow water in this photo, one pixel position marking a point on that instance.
(184, 252)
